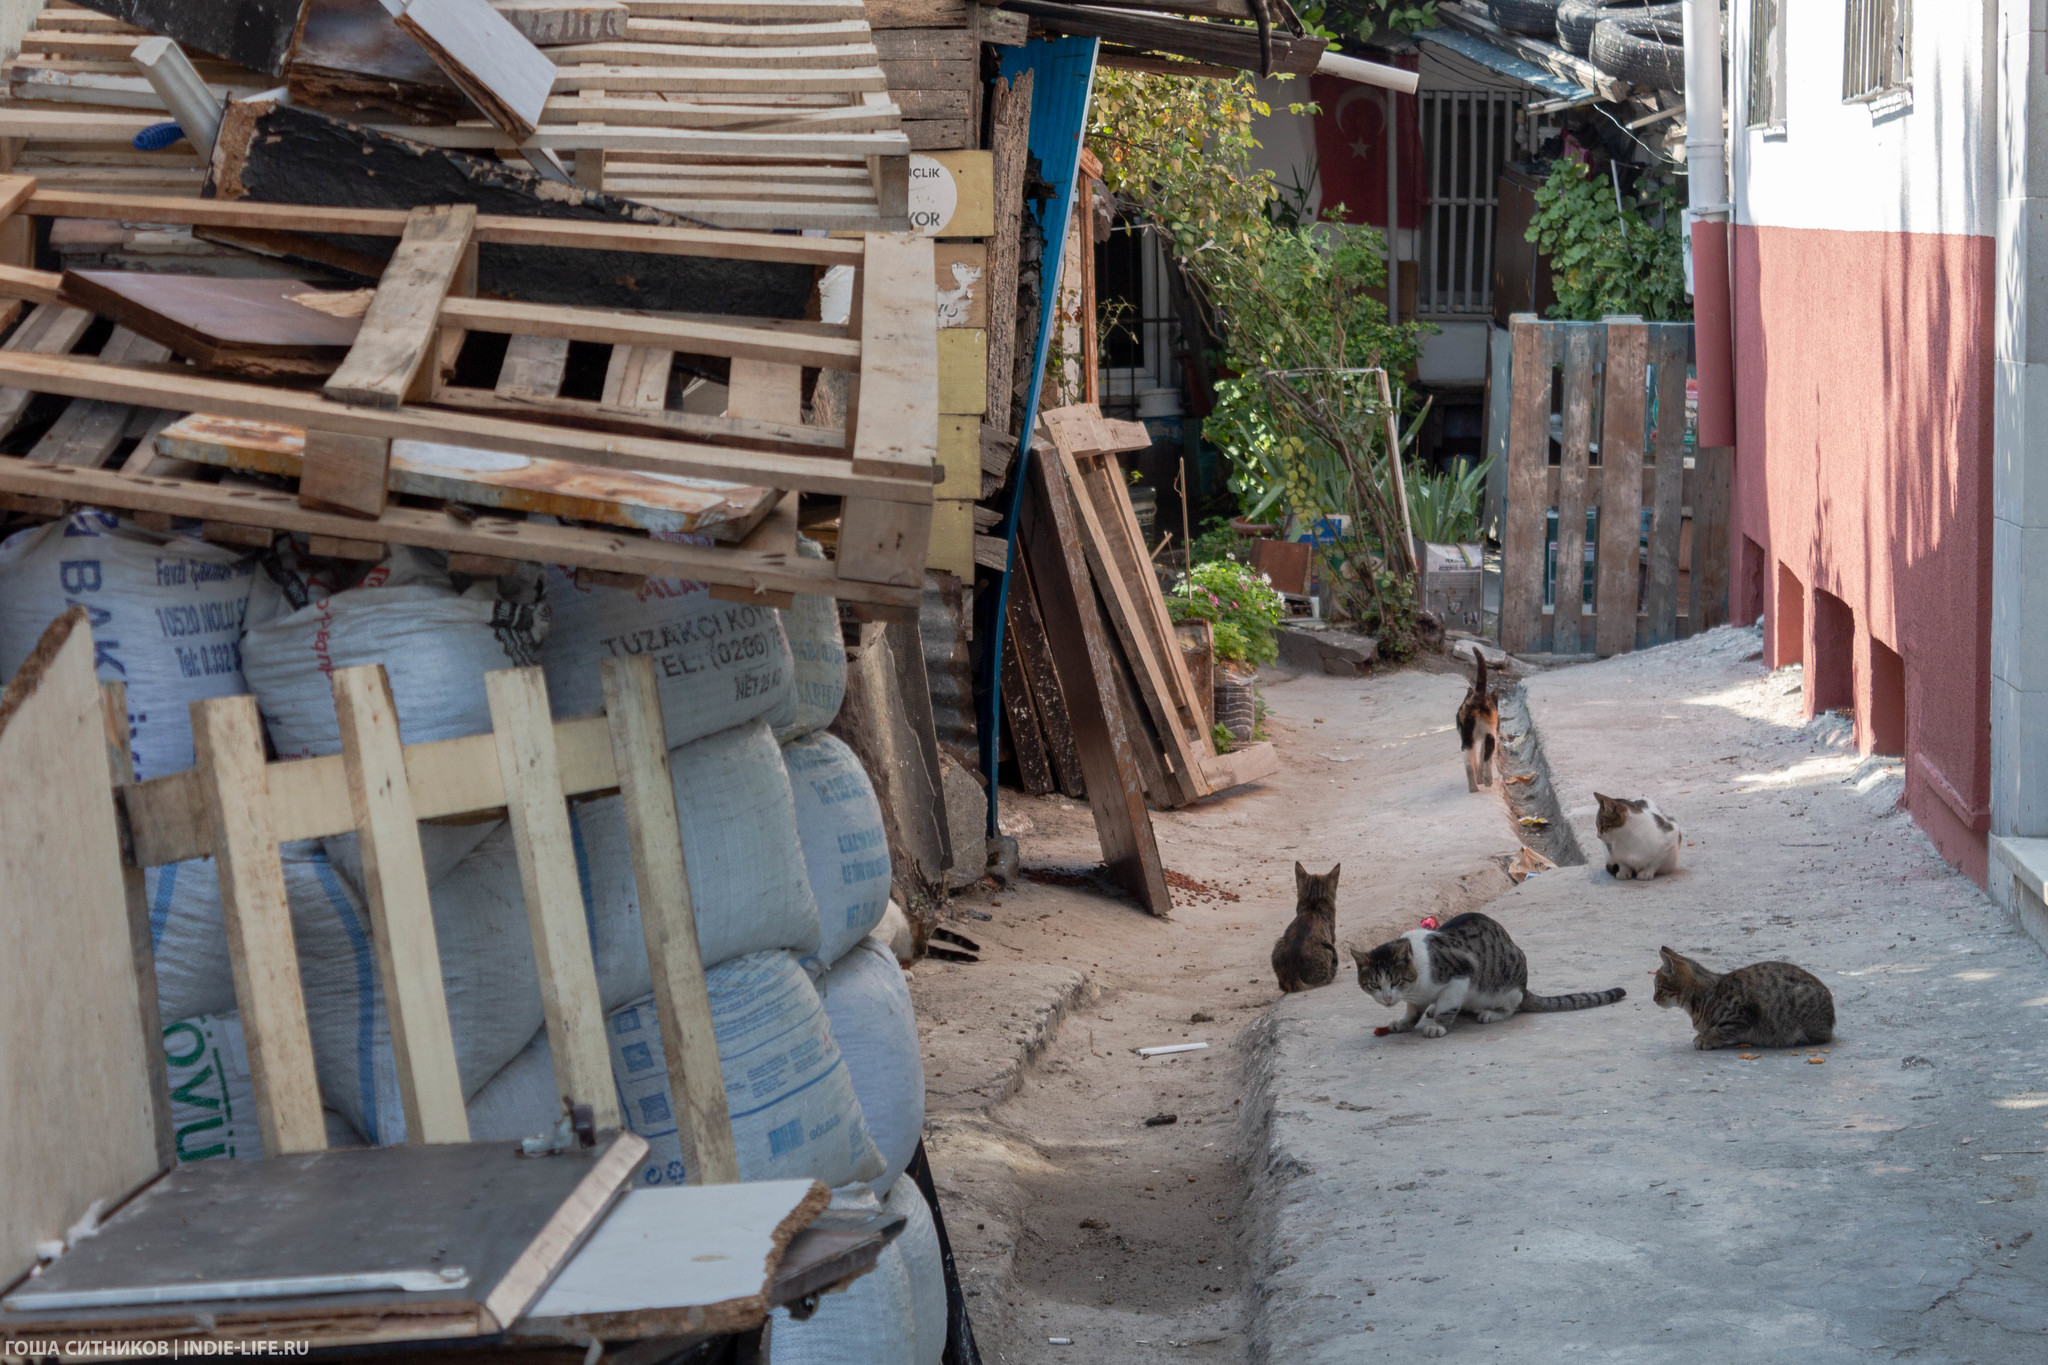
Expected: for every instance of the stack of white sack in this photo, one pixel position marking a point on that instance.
(213, 1100)
(166, 614)
(818, 658)
(872, 1321)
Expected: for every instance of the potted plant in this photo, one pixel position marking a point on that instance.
(1242, 610)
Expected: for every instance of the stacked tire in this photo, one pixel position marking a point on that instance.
(1642, 51)
(1537, 18)
(1576, 19)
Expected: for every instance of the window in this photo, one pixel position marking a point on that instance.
(1140, 334)
(1874, 44)
(1467, 136)
(1767, 64)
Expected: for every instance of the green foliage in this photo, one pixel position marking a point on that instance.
(1220, 736)
(1368, 19)
(1216, 540)
(1607, 257)
(1444, 508)
(1240, 605)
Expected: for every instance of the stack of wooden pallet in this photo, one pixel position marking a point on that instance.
(735, 113)
(392, 452)
(1097, 695)
(931, 55)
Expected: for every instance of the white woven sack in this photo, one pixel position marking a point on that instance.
(870, 1322)
(213, 1099)
(166, 616)
(846, 848)
(794, 1112)
(919, 1243)
(717, 664)
(487, 973)
(739, 828)
(521, 1100)
(875, 1025)
(817, 652)
(189, 939)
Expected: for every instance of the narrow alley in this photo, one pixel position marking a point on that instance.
(1566, 1183)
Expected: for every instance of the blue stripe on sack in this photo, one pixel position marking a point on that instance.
(583, 877)
(366, 992)
(790, 1094)
(160, 908)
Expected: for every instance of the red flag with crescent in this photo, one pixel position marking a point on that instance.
(1351, 149)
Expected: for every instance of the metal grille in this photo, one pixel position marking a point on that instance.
(1874, 42)
(1140, 344)
(1766, 64)
(1467, 136)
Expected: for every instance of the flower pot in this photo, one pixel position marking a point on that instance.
(1255, 530)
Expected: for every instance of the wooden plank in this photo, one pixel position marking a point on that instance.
(636, 378)
(959, 457)
(87, 433)
(1624, 414)
(1010, 116)
(343, 473)
(963, 370)
(1167, 700)
(933, 44)
(1582, 346)
(49, 329)
(503, 74)
(736, 338)
(135, 891)
(883, 542)
(1524, 536)
(627, 112)
(669, 921)
(1707, 491)
(525, 738)
(766, 391)
(546, 23)
(218, 321)
(1027, 740)
(792, 56)
(1661, 597)
(737, 82)
(1027, 629)
(894, 426)
(227, 736)
(590, 415)
(82, 1131)
(401, 912)
(952, 538)
(252, 33)
(400, 330)
(533, 367)
(703, 33)
(79, 378)
(769, 569)
(1087, 668)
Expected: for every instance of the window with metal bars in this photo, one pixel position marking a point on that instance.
(1467, 136)
(1140, 334)
(1767, 65)
(1875, 39)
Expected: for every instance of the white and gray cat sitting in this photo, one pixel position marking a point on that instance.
(1641, 840)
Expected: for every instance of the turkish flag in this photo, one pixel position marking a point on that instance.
(1351, 149)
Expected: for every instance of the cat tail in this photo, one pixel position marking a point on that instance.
(1575, 1000)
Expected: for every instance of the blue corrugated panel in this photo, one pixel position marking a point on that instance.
(1064, 76)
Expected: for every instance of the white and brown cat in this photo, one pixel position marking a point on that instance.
(1642, 842)
(1479, 727)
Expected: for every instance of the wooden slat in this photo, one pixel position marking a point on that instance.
(401, 912)
(780, 437)
(1087, 667)
(135, 890)
(1027, 739)
(826, 33)
(1027, 629)
(503, 74)
(1707, 489)
(1624, 413)
(1522, 546)
(1661, 598)
(525, 739)
(1582, 347)
(49, 329)
(619, 328)
(736, 82)
(400, 330)
(754, 118)
(897, 430)
(696, 1078)
(533, 367)
(765, 391)
(228, 738)
(786, 56)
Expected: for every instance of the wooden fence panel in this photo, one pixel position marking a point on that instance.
(1707, 491)
(1523, 532)
(1668, 349)
(1622, 428)
(1584, 348)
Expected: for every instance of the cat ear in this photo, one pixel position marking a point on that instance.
(1606, 802)
(1331, 877)
(1300, 880)
(1667, 955)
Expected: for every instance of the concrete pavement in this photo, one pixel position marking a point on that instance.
(1588, 1184)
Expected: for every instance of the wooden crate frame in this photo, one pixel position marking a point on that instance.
(1609, 461)
(882, 465)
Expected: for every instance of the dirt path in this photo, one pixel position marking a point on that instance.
(1071, 1217)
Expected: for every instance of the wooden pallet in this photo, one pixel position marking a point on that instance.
(390, 387)
(734, 113)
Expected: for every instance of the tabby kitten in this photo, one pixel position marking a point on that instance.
(1479, 728)
(1469, 965)
(1641, 840)
(1766, 1004)
(1306, 955)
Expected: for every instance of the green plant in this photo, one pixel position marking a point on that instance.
(1220, 736)
(1240, 605)
(1607, 255)
(1367, 19)
(1444, 508)
(1216, 540)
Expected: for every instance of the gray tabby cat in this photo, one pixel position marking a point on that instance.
(1766, 1004)
(1468, 965)
(1306, 955)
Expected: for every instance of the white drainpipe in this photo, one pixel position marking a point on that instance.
(1709, 211)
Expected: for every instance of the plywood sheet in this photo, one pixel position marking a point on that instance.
(487, 478)
(253, 33)
(214, 320)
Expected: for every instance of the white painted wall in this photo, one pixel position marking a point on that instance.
(16, 18)
(1929, 166)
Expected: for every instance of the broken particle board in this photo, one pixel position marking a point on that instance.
(282, 154)
(352, 58)
(221, 323)
(484, 478)
(504, 74)
(253, 33)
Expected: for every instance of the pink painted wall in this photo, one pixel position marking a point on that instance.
(1863, 372)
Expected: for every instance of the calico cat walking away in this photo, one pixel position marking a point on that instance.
(1479, 728)
(1766, 1004)
(1641, 840)
(1306, 955)
(1468, 965)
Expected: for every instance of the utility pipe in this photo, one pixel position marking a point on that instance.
(1368, 73)
(1387, 98)
(1709, 208)
(170, 74)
